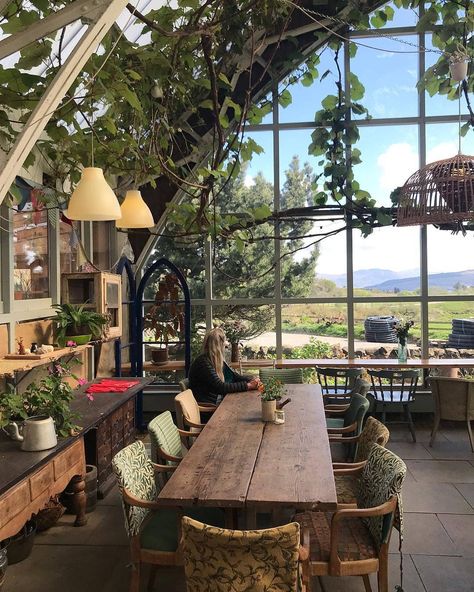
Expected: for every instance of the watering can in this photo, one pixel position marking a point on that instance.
(36, 433)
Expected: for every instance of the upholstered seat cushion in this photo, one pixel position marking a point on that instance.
(395, 397)
(161, 531)
(346, 488)
(355, 541)
(334, 422)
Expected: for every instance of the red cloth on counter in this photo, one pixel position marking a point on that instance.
(110, 385)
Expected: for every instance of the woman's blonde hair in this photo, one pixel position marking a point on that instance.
(214, 347)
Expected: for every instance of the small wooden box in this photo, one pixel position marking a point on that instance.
(99, 291)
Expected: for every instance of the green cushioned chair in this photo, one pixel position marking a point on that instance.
(286, 375)
(167, 439)
(352, 418)
(152, 529)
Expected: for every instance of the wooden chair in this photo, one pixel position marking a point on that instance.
(184, 384)
(286, 375)
(454, 401)
(217, 559)
(188, 411)
(393, 388)
(152, 529)
(346, 474)
(336, 383)
(348, 420)
(354, 541)
(167, 440)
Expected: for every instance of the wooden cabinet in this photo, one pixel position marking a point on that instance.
(99, 291)
(113, 433)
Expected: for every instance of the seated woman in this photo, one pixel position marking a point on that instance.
(210, 378)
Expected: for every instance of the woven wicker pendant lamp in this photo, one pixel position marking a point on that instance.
(442, 191)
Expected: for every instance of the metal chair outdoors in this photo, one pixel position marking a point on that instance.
(360, 387)
(337, 382)
(152, 529)
(355, 541)
(454, 401)
(286, 375)
(218, 559)
(188, 411)
(393, 388)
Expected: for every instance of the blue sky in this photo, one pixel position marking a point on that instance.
(389, 153)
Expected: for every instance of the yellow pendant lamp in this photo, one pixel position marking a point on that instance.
(135, 212)
(93, 199)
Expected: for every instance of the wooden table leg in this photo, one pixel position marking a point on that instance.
(79, 499)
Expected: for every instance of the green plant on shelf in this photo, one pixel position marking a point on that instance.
(72, 320)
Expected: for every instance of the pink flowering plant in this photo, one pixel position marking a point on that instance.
(52, 395)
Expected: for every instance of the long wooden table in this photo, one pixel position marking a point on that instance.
(240, 462)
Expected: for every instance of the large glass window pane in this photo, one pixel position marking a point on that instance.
(246, 269)
(439, 104)
(69, 247)
(387, 262)
(389, 77)
(402, 17)
(370, 337)
(30, 259)
(188, 256)
(389, 157)
(321, 326)
(447, 326)
(306, 100)
(253, 327)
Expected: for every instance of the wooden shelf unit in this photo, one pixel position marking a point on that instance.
(100, 291)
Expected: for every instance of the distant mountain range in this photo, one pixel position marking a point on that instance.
(387, 280)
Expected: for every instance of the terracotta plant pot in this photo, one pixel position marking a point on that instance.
(159, 355)
(268, 410)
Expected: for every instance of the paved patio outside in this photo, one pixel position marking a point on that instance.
(438, 547)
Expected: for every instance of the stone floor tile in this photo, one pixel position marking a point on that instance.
(65, 568)
(461, 529)
(105, 526)
(422, 497)
(454, 431)
(467, 491)
(451, 450)
(411, 579)
(410, 450)
(402, 434)
(423, 535)
(445, 574)
(113, 498)
(442, 471)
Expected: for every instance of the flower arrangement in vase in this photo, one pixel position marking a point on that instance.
(271, 391)
(402, 329)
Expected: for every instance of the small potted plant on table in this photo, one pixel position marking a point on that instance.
(77, 324)
(271, 391)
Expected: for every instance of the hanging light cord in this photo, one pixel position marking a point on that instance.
(459, 118)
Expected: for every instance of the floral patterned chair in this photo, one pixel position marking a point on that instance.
(346, 475)
(354, 541)
(151, 528)
(217, 559)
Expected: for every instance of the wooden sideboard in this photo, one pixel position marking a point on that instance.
(29, 479)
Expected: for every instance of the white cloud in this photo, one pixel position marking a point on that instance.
(249, 181)
(441, 151)
(396, 164)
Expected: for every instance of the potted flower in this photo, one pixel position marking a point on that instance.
(458, 63)
(44, 409)
(401, 329)
(78, 324)
(271, 391)
(164, 320)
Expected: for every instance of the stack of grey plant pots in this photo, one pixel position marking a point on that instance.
(462, 334)
(380, 329)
